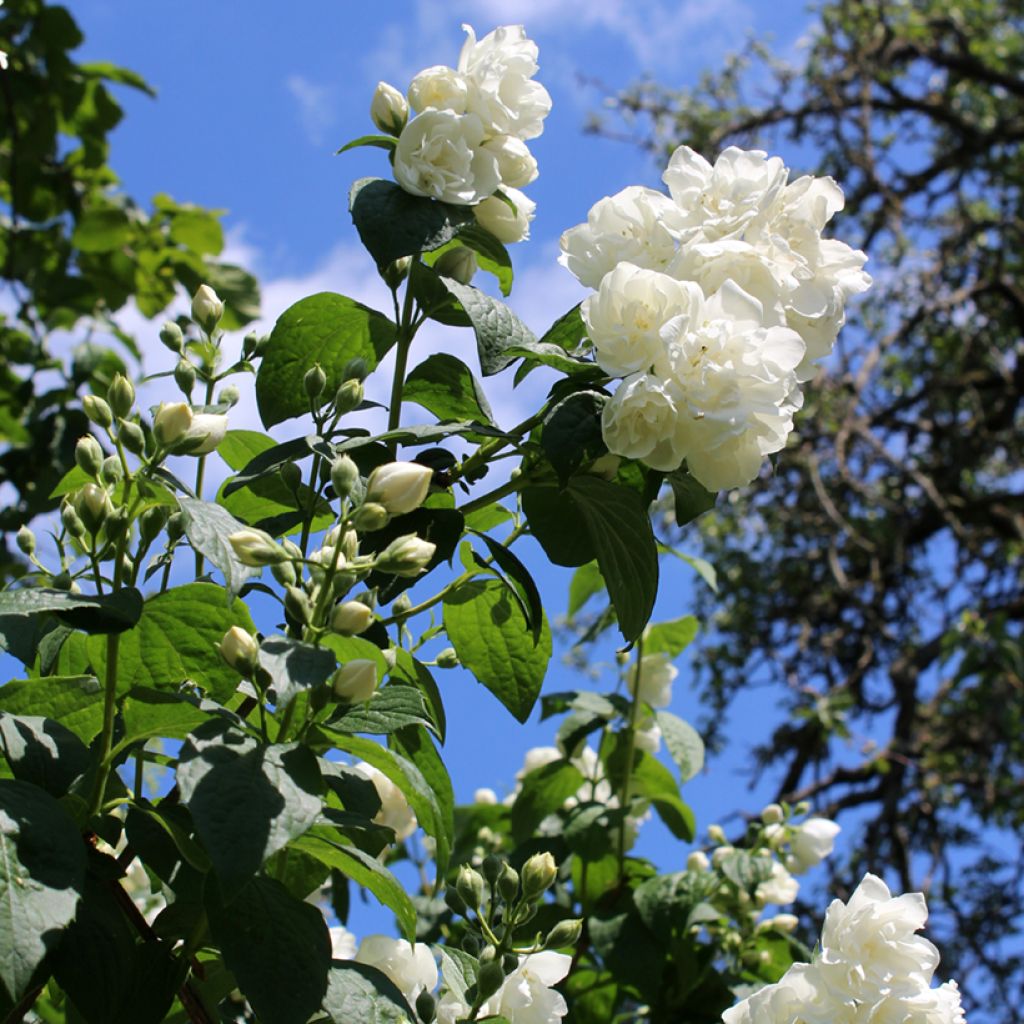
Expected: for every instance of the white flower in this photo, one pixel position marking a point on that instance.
(799, 995)
(780, 888)
(410, 967)
(528, 996)
(637, 225)
(516, 164)
(485, 796)
(343, 943)
(868, 945)
(439, 88)
(171, 422)
(625, 317)
(499, 68)
(721, 200)
(647, 735)
(439, 154)
(697, 861)
(656, 674)
(506, 224)
(206, 431)
(395, 812)
(929, 1006)
(640, 421)
(399, 486)
(355, 681)
(811, 842)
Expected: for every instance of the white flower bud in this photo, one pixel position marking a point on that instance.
(773, 814)
(351, 618)
(89, 455)
(399, 486)
(239, 650)
(256, 548)
(93, 506)
(720, 854)
(388, 109)
(697, 861)
(202, 437)
(458, 263)
(406, 556)
(207, 308)
(26, 540)
(538, 874)
(355, 681)
(506, 224)
(717, 835)
(485, 796)
(171, 423)
(779, 923)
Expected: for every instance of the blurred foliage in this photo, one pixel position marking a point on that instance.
(74, 250)
(875, 580)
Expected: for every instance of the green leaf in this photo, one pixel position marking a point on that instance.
(277, 947)
(175, 641)
(585, 583)
(364, 870)
(74, 701)
(295, 666)
(147, 713)
(327, 329)
(491, 255)
(691, 498)
(197, 229)
(493, 641)
(671, 638)
(627, 554)
(653, 780)
(496, 327)
(666, 902)
(42, 873)
(247, 801)
(208, 527)
(554, 521)
(411, 672)
(380, 141)
(446, 387)
(393, 224)
(43, 752)
(388, 710)
(359, 992)
(92, 613)
(572, 433)
(527, 588)
(102, 230)
(592, 830)
(745, 870)
(567, 331)
(683, 742)
(113, 73)
(544, 791)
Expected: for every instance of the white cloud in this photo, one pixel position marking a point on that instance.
(316, 107)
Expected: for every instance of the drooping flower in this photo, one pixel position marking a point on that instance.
(395, 812)
(410, 967)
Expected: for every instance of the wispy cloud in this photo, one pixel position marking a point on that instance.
(316, 107)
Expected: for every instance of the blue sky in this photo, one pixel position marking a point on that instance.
(253, 100)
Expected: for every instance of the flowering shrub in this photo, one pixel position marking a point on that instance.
(709, 304)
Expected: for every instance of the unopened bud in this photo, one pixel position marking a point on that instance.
(131, 436)
(351, 618)
(89, 455)
(448, 658)
(458, 263)
(26, 541)
(121, 395)
(389, 109)
(250, 344)
(175, 527)
(171, 423)
(152, 521)
(697, 861)
(204, 435)
(508, 883)
(355, 369)
(426, 1007)
(456, 904)
(291, 476)
(229, 395)
(92, 506)
(399, 486)
(470, 886)
(171, 336)
(111, 472)
(721, 854)
(717, 834)
(72, 521)
(489, 979)
(344, 476)
(471, 944)
(116, 524)
(185, 377)
(538, 875)
(240, 650)
(62, 581)
(207, 308)
(406, 556)
(314, 381)
(396, 272)
(780, 923)
(256, 548)
(401, 604)
(297, 605)
(284, 573)
(565, 933)
(349, 396)
(492, 868)
(355, 681)
(370, 517)
(773, 815)
(97, 410)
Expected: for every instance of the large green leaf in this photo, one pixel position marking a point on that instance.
(392, 223)
(553, 520)
(544, 791)
(93, 613)
(691, 498)
(277, 947)
(364, 870)
(387, 711)
(496, 327)
(247, 800)
(175, 641)
(446, 387)
(671, 638)
(74, 701)
(358, 992)
(493, 641)
(43, 752)
(148, 713)
(572, 432)
(328, 329)
(683, 742)
(208, 527)
(42, 872)
(295, 666)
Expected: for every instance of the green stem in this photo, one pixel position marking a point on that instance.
(140, 768)
(107, 732)
(201, 469)
(403, 342)
(314, 493)
(634, 708)
(496, 495)
(286, 721)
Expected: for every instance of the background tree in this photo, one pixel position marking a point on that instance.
(74, 250)
(875, 582)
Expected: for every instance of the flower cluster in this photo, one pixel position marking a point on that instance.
(712, 303)
(467, 138)
(871, 965)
